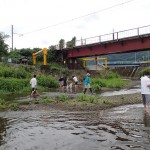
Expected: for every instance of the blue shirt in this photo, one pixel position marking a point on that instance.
(87, 80)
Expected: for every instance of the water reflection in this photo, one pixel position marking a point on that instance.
(125, 128)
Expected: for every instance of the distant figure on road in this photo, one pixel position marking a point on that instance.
(145, 90)
(87, 84)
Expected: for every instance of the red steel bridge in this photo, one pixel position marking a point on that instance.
(136, 39)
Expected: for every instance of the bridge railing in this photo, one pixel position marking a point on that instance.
(144, 30)
(115, 36)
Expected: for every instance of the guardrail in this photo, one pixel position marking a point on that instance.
(135, 32)
(130, 33)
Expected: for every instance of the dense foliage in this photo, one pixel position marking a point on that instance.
(107, 79)
(13, 72)
(13, 84)
(3, 45)
(17, 78)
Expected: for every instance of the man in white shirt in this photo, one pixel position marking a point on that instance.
(75, 80)
(145, 90)
(33, 83)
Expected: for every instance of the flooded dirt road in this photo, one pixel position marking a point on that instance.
(120, 128)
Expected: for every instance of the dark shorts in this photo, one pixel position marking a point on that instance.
(64, 84)
(34, 90)
(146, 99)
(76, 83)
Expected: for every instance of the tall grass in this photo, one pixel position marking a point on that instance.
(12, 84)
(47, 81)
(7, 72)
(97, 83)
(87, 98)
(16, 79)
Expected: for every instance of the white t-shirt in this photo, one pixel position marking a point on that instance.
(145, 81)
(33, 82)
(75, 79)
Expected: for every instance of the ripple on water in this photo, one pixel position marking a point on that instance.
(118, 128)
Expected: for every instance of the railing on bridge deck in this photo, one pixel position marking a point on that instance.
(135, 32)
(115, 36)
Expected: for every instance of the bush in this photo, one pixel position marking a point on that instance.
(14, 106)
(3, 104)
(97, 83)
(87, 98)
(47, 81)
(96, 87)
(47, 100)
(63, 98)
(114, 83)
(111, 75)
(12, 84)
(55, 68)
(12, 72)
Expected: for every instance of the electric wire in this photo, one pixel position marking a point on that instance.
(57, 24)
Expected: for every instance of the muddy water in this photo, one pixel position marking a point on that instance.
(121, 128)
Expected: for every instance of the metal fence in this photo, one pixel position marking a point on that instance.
(135, 32)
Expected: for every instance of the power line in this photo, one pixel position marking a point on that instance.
(57, 24)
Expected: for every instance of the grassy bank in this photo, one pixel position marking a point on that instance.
(12, 80)
(16, 79)
(80, 102)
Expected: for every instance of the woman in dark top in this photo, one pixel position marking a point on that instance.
(64, 85)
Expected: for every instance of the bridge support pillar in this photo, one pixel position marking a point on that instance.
(71, 63)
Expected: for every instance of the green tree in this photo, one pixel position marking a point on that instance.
(3, 45)
(71, 43)
(61, 44)
(52, 55)
(14, 55)
(26, 52)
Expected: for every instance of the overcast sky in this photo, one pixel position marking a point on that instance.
(43, 23)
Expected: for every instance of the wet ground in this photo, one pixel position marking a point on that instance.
(134, 89)
(121, 128)
(56, 93)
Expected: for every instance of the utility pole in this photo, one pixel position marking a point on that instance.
(12, 37)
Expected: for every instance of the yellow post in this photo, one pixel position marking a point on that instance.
(106, 64)
(34, 58)
(84, 63)
(45, 54)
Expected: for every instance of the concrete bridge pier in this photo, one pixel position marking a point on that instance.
(71, 63)
(74, 63)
